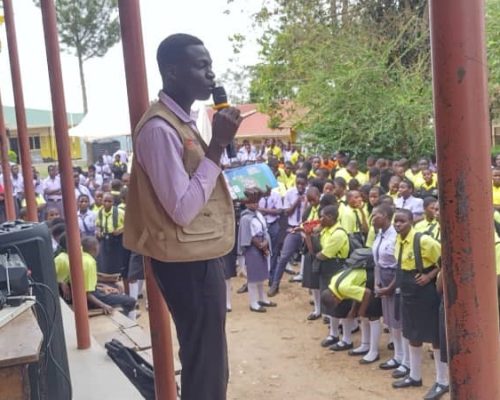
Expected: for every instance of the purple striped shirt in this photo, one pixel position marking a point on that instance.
(159, 151)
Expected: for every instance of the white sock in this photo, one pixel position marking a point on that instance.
(132, 315)
(140, 283)
(334, 327)
(416, 363)
(354, 324)
(262, 292)
(253, 294)
(347, 330)
(228, 294)
(397, 340)
(365, 336)
(133, 290)
(441, 369)
(406, 354)
(375, 332)
(316, 294)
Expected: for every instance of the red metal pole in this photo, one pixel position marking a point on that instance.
(22, 128)
(463, 145)
(65, 166)
(138, 101)
(10, 210)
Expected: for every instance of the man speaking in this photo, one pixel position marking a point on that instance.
(181, 213)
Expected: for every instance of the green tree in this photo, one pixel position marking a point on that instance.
(87, 29)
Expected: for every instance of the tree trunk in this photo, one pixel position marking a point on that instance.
(345, 8)
(82, 83)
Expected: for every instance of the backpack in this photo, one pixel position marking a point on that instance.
(356, 240)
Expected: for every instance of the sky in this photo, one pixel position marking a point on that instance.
(105, 77)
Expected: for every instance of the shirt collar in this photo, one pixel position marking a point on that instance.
(408, 237)
(175, 108)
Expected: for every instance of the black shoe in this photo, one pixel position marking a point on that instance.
(355, 330)
(267, 304)
(341, 346)
(295, 279)
(406, 382)
(436, 391)
(398, 374)
(311, 303)
(259, 310)
(366, 362)
(390, 364)
(273, 291)
(242, 289)
(326, 320)
(290, 271)
(390, 346)
(329, 340)
(357, 353)
(229, 309)
(313, 317)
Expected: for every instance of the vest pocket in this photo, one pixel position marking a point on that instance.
(205, 226)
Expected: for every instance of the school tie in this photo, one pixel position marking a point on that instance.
(266, 202)
(106, 224)
(298, 212)
(400, 255)
(377, 250)
(404, 202)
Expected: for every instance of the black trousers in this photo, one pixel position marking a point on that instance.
(195, 293)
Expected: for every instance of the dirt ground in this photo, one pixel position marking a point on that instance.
(276, 356)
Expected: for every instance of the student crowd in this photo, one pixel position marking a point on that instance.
(325, 212)
(369, 248)
(113, 276)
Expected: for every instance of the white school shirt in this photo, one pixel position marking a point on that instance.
(50, 184)
(258, 225)
(415, 205)
(244, 156)
(88, 219)
(273, 202)
(295, 219)
(83, 190)
(383, 248)
(17, 184)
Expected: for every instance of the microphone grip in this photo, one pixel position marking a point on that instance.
(231, 150)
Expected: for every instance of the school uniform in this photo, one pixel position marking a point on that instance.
(310, 278)
(334, 244)
(287, 180)
(414, 204)
(427, 190)
(386, 267)
(293, 241)
(419, 304)
(112, 254)
(361, 177)
(496, 195)
(350, 285)
(431, 228)
(87, 223)
(273, 202)
(83, 190)
(252, 225)
(53, 200)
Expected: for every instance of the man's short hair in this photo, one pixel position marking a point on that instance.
(171, 49)
(89, 243)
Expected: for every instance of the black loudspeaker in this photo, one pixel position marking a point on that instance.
(49, 378)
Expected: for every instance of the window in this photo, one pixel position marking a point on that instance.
(34, 142)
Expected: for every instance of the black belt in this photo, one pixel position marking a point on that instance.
(55, 200)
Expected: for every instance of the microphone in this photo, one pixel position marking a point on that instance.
(220, 102)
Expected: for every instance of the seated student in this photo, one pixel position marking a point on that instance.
(407, 201)
(419, 298)
(333, 250)
(430, 224)
(56, 231)
(254, 244)
(109, 231)
(428, 186)
(86, 217)
(98, 295)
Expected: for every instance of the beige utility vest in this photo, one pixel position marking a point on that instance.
(148, 228)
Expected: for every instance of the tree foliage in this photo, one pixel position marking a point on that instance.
(87, 29)
(360, 69)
